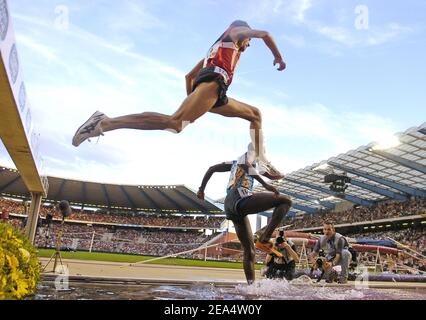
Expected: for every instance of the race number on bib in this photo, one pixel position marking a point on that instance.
(243, 192)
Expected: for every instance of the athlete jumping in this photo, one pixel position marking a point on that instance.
(206, 86)
(240, 201)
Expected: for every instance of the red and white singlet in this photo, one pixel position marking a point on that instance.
(223, 56)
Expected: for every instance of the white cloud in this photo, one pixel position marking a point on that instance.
(322, 132)
(277, 6)
(295, 12)
(133, 17)
(360, 38)
(31, 20)
(299, 9)
(44, 51)
(297, 41)
(262, 11)
(319, 121)
(338, 34)
(65, 39)
(392, 31)
(113, 72)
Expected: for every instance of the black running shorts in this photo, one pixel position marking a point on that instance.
(208, 75)
(234, 199)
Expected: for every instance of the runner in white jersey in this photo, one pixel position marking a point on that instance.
(240, 201)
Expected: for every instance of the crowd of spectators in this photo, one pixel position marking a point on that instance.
(11, 206)
(114, 239)
(165, 220)
(149, 220)
(386, 210)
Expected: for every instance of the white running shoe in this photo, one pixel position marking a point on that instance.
(268, 170)
(91, 128)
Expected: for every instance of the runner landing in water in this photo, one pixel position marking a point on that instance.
(206, 86)
(240, 201)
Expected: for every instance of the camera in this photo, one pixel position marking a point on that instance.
(64, 208)
(338, 182)
(329, 273)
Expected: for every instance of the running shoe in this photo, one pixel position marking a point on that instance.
(267, 247)
(268, 170)
(91, 128)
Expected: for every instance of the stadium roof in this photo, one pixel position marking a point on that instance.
(378, 172)
(166, 199)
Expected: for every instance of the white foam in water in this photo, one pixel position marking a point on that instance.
(338, 294)
(298, 289)
(302, 288)
(305, 280)
(196, 291)
(276, 289)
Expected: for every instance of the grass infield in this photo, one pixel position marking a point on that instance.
(115, 257)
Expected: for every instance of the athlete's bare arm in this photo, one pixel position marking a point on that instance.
(239, 34)
(190, 77)
(221, 167)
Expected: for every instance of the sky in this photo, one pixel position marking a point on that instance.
(355, 74)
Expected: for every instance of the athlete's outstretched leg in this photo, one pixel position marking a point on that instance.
(277, 217)
(235, 108)
(263, 201)
(141, 121)
(200, 101)
(194, 106)
(245, 235)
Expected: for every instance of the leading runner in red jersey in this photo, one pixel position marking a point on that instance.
(206, 86)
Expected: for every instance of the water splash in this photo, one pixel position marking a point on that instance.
(302, 288)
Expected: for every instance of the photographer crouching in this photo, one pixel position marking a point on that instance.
(335, 248)
(285, 266)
